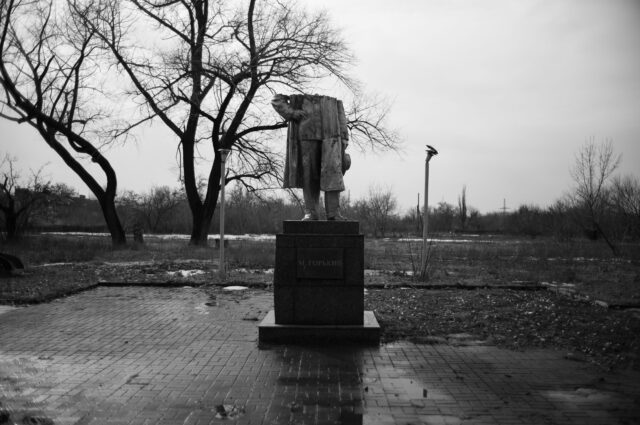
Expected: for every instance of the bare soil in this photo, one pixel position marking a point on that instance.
(514, 319)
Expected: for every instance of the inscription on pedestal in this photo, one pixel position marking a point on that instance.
(319, 274)
(320, 263)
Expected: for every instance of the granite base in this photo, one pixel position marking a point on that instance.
(367, 333)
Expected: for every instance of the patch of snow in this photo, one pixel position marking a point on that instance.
(202, 309)
(171, 236)
(54, 264)
(186, 273)
(374, 272)
(253, 271)
(250, 237)
(235, 288)
(435, 241)
(129, 263)
(6, 308)
(75, 234)
(212, 237)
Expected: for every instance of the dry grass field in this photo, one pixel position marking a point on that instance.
(573, 296)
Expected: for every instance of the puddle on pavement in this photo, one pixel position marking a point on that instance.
(301, 381)
(350, 418)
(347, 412)
(350, 410)
(402, 387)
(20, 377)
(405, 389)
(583, 395)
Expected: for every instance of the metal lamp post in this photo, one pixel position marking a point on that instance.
(431, 151)
(224, 153)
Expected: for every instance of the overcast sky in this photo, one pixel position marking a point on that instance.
(506, 90)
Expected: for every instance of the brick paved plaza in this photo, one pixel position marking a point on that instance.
(126, 355)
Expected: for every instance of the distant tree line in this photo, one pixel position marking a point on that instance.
(599, 206)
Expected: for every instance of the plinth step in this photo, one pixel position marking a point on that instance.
(368, 333)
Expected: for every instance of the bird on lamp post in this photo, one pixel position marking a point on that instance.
(431, 152)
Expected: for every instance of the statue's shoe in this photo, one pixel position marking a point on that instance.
(337, 217)
(310, 217)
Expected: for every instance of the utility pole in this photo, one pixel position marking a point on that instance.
(431, 151)
(504, 212)
(223, 180)
(419, 222)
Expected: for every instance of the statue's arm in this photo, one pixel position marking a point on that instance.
(280, 103)
(344, 130)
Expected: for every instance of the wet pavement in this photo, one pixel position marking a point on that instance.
(178, 356)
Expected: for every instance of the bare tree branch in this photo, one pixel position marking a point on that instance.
(210, 74)
(45, 76)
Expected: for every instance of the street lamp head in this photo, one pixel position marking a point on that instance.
(431, 151)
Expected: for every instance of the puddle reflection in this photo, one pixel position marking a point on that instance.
(338, 385)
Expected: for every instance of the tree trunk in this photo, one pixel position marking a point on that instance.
(202, 212)
(118, 236)
(203, 216)
(106, 197)
(610, 244)
(199, 229)
(11, 225)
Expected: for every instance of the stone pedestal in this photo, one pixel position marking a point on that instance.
(319, 285)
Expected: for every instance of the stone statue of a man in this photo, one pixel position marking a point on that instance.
(316, 141)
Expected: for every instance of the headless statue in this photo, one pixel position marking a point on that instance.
(316, 141)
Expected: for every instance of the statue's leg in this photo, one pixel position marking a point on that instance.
(310, 177)
(332, 205)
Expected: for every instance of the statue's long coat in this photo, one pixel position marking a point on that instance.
(325, 122)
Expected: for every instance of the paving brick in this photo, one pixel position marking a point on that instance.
(150, 356)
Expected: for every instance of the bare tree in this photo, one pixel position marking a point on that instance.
(474, 218)
(442, 217)
(210, 75)
(561, 224)
(48, 74)
(593, 167)
(625, 194)
(380, 207)
(462, 208)
(23, 198)
(152, 208)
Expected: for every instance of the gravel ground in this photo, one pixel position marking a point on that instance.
(514, 319)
